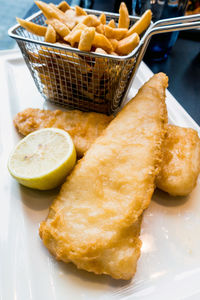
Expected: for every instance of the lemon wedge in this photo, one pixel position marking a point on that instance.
(43, 159)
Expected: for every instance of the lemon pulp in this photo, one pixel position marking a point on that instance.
(43, 158)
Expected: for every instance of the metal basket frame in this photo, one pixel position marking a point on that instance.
(133, 19)
(86, 80)
(112, 86)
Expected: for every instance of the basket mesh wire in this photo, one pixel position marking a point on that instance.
(78, 81)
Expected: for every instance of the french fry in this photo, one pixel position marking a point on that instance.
(100, 41)
(127, 45)
(114, 43)
(124, 20)
(79, 26)
(100, 50)
(70, 15)
(66, 18)
(91, 21)
(79, 11)
(115, 33)
(112, 24)
(47, 11)
(113, 53)
(100, 29)
(79, 19)
(59, 27)
(74, 36)
(63, 45)
(51, 11)
(75, 28)
(142, 24)
(32, 27)
(86, 39)
(50, 36)
(102, 19)
(63, 6)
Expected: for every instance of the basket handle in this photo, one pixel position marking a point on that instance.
(162, 26)
(177, 20)
(167, 25)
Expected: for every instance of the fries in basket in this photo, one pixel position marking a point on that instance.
(80, 80)
(72, 24)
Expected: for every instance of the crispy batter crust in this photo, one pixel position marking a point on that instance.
(94, 222)
(181, 161)
(84, 127)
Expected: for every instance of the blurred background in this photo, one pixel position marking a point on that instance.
(8, 11)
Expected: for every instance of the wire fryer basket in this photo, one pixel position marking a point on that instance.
(72, 78)
(87, 81)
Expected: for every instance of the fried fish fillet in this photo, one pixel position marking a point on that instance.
(120, 259)
(84, 127)
(93, 220)
(181, 161)
(180, 166)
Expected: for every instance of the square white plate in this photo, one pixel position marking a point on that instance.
(169, 266)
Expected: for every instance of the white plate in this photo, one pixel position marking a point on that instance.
(169, 267)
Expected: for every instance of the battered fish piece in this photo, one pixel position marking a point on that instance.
(181, 161)
(178, 173)
(92, 221)
(84, 127)
(120, 259)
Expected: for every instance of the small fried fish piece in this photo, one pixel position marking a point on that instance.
(84, 127)
(110, 187)
(181, 161)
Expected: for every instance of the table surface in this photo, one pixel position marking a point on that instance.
(182, 66)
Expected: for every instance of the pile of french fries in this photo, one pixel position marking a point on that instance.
(80, 80)
(87, 32)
